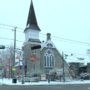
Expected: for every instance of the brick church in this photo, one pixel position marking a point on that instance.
(46, 59)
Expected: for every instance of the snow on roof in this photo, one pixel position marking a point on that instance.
(49, 42)
(72, 59)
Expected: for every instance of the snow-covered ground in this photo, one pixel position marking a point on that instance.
(9, 82)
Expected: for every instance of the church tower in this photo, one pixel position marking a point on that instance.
(31, 57)
(32, 29)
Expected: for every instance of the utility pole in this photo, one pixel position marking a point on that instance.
(14, 47)
(14, 43)
(63, 67)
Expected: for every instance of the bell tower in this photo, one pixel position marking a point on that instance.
(32, 29)
(31, 57)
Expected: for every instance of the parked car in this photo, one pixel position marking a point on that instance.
(35, 78)
(85, 76)
(32, 78)
(24, 79)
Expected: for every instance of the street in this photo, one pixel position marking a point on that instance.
(46, 87)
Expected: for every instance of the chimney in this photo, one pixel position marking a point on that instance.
(48, 36)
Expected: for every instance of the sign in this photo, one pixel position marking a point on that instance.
(36, 47)
(13, 69)
(34, 58)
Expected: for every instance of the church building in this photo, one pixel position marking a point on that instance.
(44, 60)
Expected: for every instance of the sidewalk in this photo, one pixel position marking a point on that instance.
(9, 82)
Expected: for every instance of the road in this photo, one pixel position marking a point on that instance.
(46, 87)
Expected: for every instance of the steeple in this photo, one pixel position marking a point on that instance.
(32, 21)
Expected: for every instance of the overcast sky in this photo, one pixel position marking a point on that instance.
(68, 19)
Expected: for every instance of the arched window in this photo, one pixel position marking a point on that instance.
(49, 45)
(48, 59)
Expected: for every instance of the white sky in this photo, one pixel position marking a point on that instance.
(68, 19)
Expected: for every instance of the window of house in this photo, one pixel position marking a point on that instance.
(49, 45)
(48, 59)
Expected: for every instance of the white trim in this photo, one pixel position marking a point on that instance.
(31, 34)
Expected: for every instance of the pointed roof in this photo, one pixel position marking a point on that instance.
(32, 21)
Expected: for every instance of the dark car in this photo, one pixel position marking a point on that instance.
(85, 76)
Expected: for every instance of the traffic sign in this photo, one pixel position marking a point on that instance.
(36, 47)
(2, 47)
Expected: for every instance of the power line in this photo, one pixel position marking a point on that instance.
(69, 40)
(10, 39)
(5, 28)
(11, 26)
(11, 29)
(7, 25)
(8, 47)
(6, 38)
(65, 39)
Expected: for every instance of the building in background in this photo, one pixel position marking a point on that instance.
(80, 65)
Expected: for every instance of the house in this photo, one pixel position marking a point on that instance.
(79, 64)
(45, 60)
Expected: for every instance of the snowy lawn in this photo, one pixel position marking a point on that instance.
(9, 82)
